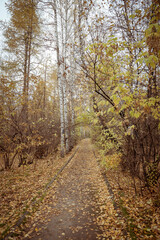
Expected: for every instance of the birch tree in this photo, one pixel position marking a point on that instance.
(64, 30)
(64, 38)
(59, 78)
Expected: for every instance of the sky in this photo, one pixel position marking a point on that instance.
(4, 16)
(3, 12)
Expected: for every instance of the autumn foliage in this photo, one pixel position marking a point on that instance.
(97, 76)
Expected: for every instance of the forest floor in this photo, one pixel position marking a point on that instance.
(78, 205)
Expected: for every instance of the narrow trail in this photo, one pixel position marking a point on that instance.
(82, 204)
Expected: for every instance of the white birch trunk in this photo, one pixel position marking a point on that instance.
(65, 81)
(60, 84)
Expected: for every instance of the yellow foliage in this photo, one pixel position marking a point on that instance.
(112, 161)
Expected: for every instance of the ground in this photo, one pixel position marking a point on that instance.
(81, 207)
(87, 200)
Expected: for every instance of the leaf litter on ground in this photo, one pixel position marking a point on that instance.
(21, 186)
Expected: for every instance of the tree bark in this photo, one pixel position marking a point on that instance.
(59, 78)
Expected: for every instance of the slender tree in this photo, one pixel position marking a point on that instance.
(59, 77)
(20, 35)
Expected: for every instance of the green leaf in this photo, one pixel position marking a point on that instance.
(115, 89)
(137, 114)
(152, 60)
(95, 121)
(132, 16)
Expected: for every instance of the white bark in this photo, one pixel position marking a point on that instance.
(65, 80)
(60, 84)
(65, 37)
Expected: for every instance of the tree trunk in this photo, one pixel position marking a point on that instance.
(65, 81)
(59, 78)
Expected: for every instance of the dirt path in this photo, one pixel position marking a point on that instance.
(82, 208)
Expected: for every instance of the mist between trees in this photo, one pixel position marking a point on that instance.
(75, 68)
